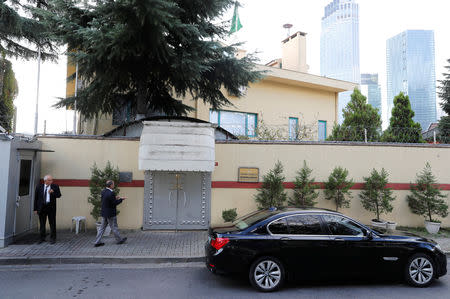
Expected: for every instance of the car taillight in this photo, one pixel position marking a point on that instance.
(219, 242)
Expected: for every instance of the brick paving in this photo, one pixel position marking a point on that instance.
(184, 244)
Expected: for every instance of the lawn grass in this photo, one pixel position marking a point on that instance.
(444, 232)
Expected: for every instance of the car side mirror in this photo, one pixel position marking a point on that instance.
(368, 234)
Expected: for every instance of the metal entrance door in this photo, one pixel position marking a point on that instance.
(177, 200)
(23, 215)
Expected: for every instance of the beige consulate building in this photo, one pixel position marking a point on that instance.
(180, 173)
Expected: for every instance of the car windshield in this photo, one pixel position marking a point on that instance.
(252, 218)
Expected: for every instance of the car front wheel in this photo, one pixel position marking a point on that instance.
(419, 270)
(267, 274)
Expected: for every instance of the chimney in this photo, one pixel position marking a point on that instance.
(294, 53)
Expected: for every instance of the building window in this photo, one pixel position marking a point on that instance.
(322, 130)
(237, 123)
(293, 128)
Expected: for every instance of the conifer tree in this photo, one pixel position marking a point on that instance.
(304, 189)
(426, 198)
(360, 118)
(402, 127)
(376, 197)
(98, 183)
(337, 188)
(150, 54)
(8, 92)
(444, 93)
(20, 28)
(272, 194)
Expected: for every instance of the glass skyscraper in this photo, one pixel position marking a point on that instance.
(372, 90)
(411, 70)
(339, 45)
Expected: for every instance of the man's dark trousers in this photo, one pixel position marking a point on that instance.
(49, 212)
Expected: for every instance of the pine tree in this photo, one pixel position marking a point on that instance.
(376, 197)
(304, 188)
(360, 118)
(402, 127)
(337, 188)
(18, 31)
(98, 183)
(8, 92)
(272, 194)
(426, 198)
(444, 94)
(150, 54)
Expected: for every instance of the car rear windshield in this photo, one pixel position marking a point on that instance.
(250, 219)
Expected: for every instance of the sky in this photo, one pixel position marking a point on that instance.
(263, 31)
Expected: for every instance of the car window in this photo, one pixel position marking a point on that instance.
(252, 218)
(279, 227)
(304, 225)
(343, 226)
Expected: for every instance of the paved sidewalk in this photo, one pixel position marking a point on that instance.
(141, 247)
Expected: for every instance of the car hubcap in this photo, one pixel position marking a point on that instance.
(421, 270)
(267, 274)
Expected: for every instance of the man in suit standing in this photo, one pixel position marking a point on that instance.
(45, 206)
(109, 214)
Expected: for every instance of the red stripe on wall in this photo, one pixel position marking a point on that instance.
(237, 185)
(290, 185)
(85, 183)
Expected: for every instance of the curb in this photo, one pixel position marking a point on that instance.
(40, 260)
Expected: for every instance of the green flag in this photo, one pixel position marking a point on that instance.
(235, 22)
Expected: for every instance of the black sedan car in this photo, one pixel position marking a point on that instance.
(274, 245)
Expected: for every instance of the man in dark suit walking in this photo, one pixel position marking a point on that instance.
(109, 214)
(45, 206)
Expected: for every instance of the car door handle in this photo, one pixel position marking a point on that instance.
(339, 239)
(285, 239)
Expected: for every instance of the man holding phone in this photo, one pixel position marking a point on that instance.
(109, 214)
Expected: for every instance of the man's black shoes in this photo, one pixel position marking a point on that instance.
(99, 244)
(41, 241)
(122, 241)
(52, 241)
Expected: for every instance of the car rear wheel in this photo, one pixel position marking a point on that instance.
(419, 270)
(267, 274)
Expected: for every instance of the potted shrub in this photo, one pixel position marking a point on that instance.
(272, 194)
(426, 199)
(337, 188)
(96, 185)
(304, 189)
(376, 198)
(229, 215)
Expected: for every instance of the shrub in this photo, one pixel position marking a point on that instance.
(376, 197)
(272, 194)
(337, 188)
(426, 198)
(229, 215)
(304, 188)
(97, 184)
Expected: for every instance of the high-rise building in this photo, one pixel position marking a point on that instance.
(411, 70)
(372, 90)
(339, 45)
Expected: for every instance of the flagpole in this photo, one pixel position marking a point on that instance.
(75, 103)
(36, 113)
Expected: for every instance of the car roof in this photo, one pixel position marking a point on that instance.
(306, 210)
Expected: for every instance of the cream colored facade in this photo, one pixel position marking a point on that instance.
(73, 157)
(280, 95)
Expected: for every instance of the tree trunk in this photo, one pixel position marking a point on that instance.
(141, 107)
(378, 211)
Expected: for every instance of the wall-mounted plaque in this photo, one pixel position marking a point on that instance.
(248, 175)
(125, 177)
